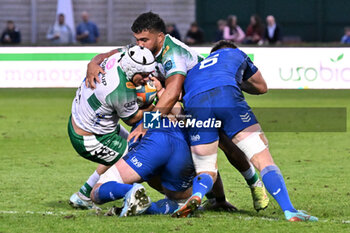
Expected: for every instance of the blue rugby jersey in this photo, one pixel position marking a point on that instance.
(224, 67)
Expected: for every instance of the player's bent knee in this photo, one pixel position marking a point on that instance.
(205, 163)
(112, 174)
(255, 143)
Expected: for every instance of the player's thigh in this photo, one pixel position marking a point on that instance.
(103, 149)
(232, 110)
(205, 149)
(149, 155)
(199, 110)
(178, 172)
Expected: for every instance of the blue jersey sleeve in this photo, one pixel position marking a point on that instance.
(250, 69)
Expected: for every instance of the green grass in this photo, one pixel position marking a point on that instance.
(39, 171)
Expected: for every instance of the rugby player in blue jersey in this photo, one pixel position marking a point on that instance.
(213, 90)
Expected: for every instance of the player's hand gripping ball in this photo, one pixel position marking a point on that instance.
(146, 93)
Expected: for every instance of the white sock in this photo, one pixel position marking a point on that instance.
(249, 173)
(93, 179)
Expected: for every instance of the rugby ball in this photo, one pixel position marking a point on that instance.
(146, 94)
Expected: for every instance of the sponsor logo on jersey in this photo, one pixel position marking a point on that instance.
(103, 76)
(110, 64)
(104, 153)
(165, 50)
(195, 138)
(168, 65)
(130, 85)
(130, 106)
(136, 162)
(103, 80)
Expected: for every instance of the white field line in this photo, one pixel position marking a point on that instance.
(34, 212)
(209, 216)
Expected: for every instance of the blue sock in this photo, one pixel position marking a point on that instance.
(111, 191)
(202, 184)
(274, 183)
(163, 206)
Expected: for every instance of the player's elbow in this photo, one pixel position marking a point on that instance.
(263, 88)
(129, 122)
(132, 121)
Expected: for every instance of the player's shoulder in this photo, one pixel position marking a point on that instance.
(230, 51)
(234, 53)
(172, 46)
(172, 42)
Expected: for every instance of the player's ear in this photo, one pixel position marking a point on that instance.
(161, 35)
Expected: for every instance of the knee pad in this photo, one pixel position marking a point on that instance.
(205, 163)
(253, 144)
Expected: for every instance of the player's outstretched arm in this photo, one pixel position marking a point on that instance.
(94, 68)
(255, 85)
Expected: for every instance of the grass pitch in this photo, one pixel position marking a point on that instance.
(39, 171)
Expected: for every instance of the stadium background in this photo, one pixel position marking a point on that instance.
(312, 20)
(40, 170)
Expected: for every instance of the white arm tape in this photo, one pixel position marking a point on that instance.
(205, 163)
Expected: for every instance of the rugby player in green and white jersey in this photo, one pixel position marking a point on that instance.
(93, 127)
(174, 59)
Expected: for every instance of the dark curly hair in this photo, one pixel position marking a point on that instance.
(223, 44)
(148, 21)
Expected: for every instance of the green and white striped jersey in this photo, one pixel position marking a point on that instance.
(98, 111)
(176, 57)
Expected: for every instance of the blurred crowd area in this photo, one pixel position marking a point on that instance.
(87, 28)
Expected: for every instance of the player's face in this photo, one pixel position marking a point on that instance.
(151, 40)
(140, 78)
